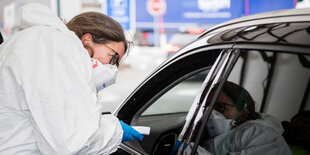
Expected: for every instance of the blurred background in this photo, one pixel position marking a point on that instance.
(158, 28)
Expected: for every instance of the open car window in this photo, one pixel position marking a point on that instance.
(165, 111)
(166, 115)
(179, 98)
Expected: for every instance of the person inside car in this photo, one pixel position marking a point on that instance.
(235, 128)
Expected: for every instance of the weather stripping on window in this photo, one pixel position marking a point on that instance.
(198, 113)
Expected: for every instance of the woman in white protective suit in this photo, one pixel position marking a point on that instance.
(235, 127)
(48, 96)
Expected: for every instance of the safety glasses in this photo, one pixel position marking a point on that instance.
(221, 106)
(115, 58)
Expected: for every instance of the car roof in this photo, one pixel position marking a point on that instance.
(289, 15)
(297, 43)
(185, 38)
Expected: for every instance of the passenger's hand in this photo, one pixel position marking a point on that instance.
(130, 133)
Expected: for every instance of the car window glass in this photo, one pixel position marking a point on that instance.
(280, 76)
(198, 113)
(167, 110)
(179, 98)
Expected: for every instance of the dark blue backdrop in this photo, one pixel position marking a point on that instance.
(185, 13)
(259, 6)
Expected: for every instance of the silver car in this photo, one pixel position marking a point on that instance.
(267, 53)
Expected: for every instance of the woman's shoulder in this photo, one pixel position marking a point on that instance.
(43, 39)
(267, 127)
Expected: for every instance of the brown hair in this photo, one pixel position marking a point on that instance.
(241, 98)
(102, 28)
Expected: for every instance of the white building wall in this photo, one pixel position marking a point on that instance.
(69, 8)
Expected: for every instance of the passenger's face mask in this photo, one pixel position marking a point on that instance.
(104, 75)
(218, 124)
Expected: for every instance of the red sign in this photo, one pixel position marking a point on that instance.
(156, 7)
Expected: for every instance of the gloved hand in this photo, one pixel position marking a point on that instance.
(130, 133)
(176, 147)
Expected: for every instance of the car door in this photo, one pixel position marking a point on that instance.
(164, 99)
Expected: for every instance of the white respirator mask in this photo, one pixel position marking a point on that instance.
(218, 124)
(104, 75)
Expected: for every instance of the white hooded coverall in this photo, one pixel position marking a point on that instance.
(48, 103)
(253, 137)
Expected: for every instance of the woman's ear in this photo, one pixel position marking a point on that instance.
(86, 39)
(244, 115)
(88, 43)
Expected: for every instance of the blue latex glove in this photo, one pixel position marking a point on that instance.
(176, 147)
(130, 133)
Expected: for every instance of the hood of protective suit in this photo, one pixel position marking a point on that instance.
(269, 121)
(37, 14)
